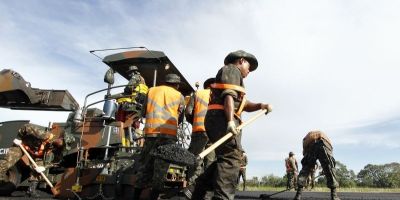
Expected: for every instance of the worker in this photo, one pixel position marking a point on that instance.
(130, 106)
(195, 113)
(227, 102)
(291, 171)
(317, 146)
(164, 106)
(36, 140)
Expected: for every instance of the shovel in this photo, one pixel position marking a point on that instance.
(229, 135)
(268, 196)
(39, 169)
(178, 155)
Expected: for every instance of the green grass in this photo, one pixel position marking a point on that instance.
(325, 189)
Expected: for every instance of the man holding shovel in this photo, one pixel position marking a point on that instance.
(35, 141)
(227, 102)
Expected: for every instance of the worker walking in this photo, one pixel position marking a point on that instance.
(291, 171)
(227, 102)
(317, 146)
(164, 107)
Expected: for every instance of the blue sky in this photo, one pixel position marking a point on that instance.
(329, 65)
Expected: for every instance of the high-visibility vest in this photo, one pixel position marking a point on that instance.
(140, 88)
(237, 88)
(162, 110)
(202, 97)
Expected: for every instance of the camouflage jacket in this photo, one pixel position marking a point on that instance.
(228, 74)
(33, 135)
(312, 137)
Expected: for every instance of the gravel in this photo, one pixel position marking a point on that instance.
(174, 153)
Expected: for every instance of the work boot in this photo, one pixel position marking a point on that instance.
(32, 192)
(298, 194)
(334, 195)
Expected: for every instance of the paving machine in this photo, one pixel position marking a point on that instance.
(101, 149)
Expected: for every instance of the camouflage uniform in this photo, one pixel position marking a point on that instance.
(317, 146)
(131, 106)
(242, 172)
(32, 136)
(221, 176)
(291, 171)
(9, 160)
(310, 182)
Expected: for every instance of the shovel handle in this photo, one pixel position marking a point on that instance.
(228, 135)
(19, 143)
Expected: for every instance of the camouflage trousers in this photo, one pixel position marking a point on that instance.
(10, 159)
(152, 172)
(310, 182)
(221, 176)
(291, 179)
(198, 142)
(242, 173)
(322, 152)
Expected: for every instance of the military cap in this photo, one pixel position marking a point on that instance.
(208, 82)
(132, 68)
(172, 78)
(233, 56)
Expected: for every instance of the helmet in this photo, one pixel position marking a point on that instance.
(172, 78)
(231, 57)
(208, 82)
(132, 68)
(291, 153)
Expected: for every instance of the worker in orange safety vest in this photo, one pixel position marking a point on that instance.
(164, 106)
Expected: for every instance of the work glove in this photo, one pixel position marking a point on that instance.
(40, 169)
(267, 107)
(232, 128)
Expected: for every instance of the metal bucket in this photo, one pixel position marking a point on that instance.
(109, 108)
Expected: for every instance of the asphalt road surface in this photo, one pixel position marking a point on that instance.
(284, 195)
(320, 195)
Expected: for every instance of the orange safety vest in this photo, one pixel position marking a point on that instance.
(162, 110)
(202, 97)
(237, 88)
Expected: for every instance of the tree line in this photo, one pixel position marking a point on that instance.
(377, 176)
